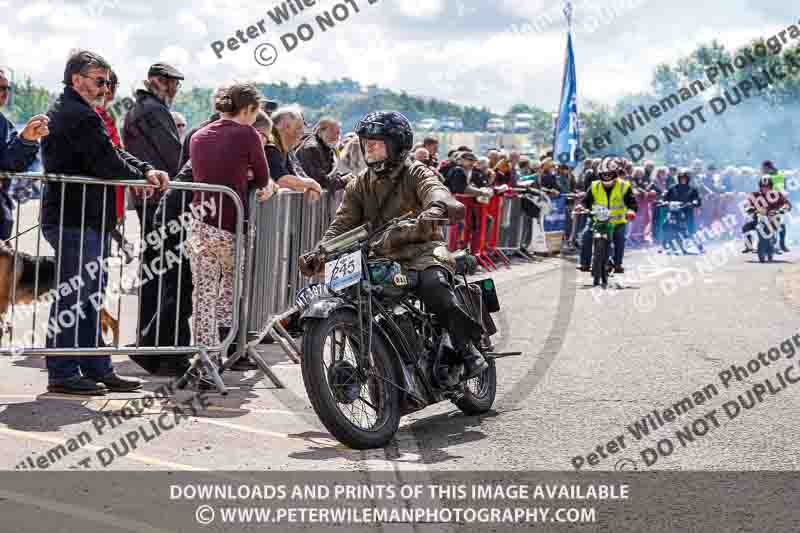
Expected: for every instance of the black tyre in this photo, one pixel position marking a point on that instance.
(479, 392)
(599, 262)
(339, 389)
(763, 249)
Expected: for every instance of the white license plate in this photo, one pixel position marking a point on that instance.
(343, 272)
(310, 294)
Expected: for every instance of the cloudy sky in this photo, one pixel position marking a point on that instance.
(466, 51)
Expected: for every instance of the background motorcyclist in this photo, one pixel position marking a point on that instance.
(611, 191)
(778, 185)
(685, 193)
(764, 200)
(390, 187)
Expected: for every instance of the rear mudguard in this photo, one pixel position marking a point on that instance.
(322, 309)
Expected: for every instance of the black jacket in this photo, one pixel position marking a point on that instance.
(316, 159)
(683, 193)
(16, 155)
(150, 134)
(456, 179)
(78, 144)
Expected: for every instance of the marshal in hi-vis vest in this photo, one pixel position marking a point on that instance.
(616, 205)
(778, 181)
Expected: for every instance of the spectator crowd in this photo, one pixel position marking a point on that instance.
(246, 143)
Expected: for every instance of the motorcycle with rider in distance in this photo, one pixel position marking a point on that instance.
(371, 351)
(676, 224)
(602, 235)
(768, 223)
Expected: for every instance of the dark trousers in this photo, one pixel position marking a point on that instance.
(527, 230)
(158, 323)
(617, 243)
(6, 215)
(436, 292)
(74, 317)
(748, 227)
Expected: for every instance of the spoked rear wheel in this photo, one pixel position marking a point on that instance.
(359, 406)
(479, 392)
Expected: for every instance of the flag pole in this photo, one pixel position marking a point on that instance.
(566, 134)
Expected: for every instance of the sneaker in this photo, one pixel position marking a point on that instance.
(585, 268)
(784, 249)
(115, 383)
(78, 385)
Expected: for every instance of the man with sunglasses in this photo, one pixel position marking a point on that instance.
(17, 153)
(151, 134)
(77, 221)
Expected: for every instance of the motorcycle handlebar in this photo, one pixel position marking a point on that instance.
(345, 240)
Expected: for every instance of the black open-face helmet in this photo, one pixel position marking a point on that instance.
(392, 128)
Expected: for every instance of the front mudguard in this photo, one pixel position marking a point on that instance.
(322, 309)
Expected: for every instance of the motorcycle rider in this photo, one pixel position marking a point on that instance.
(764, 200)
(612, 191)
(391, 186)
(685, 193)
(778, 181)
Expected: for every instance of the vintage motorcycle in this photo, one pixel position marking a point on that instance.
(768, 223)
(602, 234)
(676, 224)
(372, 353)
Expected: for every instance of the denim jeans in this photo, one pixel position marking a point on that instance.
(74, 315)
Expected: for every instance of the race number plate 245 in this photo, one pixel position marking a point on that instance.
(343, 272)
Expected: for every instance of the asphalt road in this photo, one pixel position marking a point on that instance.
(594, 363)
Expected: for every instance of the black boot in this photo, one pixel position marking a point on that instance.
(474, 362)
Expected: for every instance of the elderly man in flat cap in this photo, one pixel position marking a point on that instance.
(150, 134)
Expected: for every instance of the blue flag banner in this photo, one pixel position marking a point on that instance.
(556, 220)
(566, 137)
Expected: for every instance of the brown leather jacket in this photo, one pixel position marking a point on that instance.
(410, 187)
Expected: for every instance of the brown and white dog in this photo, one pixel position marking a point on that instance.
(18, 282)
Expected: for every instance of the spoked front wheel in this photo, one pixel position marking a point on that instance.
(359, 406)
(479, 392)
(600, 262)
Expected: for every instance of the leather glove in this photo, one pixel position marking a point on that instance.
(453, 209)
(435, 210)
(310, 264)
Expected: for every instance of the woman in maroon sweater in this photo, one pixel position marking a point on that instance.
(226, 152)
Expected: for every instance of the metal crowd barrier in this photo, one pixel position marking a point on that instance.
(512, 224)
(282, 229)
(28, 239)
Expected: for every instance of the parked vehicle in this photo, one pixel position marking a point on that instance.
(428, 124)
(523, 123)
(495, 125)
